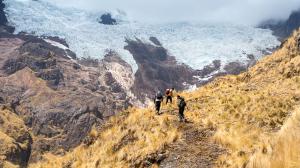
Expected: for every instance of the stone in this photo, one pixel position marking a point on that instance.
(107, 19)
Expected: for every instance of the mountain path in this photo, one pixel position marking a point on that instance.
(194, 150)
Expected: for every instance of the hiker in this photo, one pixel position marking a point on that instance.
(181, 105)
(157, 101)
(169, 95)
(298, 43)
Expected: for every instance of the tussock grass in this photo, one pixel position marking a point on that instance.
(126, 141)
(11, 129)
(282, 149)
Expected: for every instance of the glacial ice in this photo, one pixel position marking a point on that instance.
(194, 44)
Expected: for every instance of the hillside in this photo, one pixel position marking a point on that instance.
(249, 120)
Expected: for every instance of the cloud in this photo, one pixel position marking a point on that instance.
(235, 11)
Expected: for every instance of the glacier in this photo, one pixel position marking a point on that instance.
(195, 44)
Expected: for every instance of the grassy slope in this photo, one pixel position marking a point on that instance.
(250, 113)
(125, 141)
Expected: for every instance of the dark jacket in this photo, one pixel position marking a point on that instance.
(181, 102)
(158, 97)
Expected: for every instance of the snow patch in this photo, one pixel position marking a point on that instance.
(56, 44)
(207, 77)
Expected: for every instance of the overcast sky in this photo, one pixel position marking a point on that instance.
(236, 11)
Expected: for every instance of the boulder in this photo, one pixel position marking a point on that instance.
(107, 19)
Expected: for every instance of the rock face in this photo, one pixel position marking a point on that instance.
(156, 69)
(59, 98)
(107, 19)
(3, 19)
(283, 29)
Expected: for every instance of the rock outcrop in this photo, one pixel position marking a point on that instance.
(107, 19)
(157, 70)
(3, 19)
(59, 98)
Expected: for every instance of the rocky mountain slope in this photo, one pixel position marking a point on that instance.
(51, 102)
(61, 98)
(283, 29)
(235, 121)
(58, 98)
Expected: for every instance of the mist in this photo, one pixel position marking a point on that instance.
(249, 12)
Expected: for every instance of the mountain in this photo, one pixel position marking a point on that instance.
(283, 29)
(64, 76)
(248, 120)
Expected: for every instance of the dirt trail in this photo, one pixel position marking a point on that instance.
(194, 150)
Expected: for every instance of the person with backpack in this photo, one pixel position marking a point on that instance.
(169, 95)
(157, 101)
(181, 105)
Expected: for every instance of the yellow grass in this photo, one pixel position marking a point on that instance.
(11, 128)
(283, 148)
(127, 141)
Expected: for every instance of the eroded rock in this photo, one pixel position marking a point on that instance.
(60, 99)
(156, 69)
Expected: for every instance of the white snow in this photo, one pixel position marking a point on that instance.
(207, 77)
(194, 44)
(56, 44)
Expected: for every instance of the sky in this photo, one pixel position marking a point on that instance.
(250, 12)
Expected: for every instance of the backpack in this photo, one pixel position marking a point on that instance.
(182, 103)
(158, 96)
